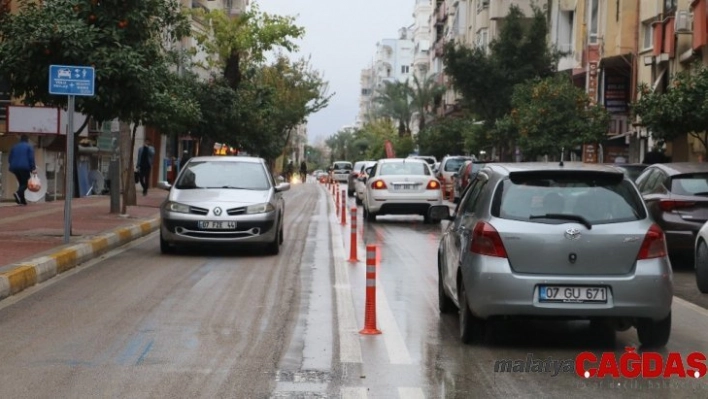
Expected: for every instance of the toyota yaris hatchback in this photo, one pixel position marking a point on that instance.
(223, 200)
(553, 241)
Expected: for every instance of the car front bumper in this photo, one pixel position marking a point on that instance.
(494, 290)
(183, 228)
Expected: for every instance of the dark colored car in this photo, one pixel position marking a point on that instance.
(632, 170)
(676, 195)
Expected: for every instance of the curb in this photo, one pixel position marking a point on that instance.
(27, 274)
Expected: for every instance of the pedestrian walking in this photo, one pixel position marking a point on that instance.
(22, 165)
(146, 153)
(303, 171)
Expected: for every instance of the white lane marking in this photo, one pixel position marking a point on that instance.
(395, 345)
(354, 393)
(692, 306)
(410, 393)
(349, 345)
(13, 299)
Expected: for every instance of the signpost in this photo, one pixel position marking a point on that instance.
(71, 81)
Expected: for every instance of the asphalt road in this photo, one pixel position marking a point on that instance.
(222, 324)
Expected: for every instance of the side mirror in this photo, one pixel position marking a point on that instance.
(282, 187)
(164, 185)
(439, 212)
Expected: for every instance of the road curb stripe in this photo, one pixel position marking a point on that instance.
(35, 271)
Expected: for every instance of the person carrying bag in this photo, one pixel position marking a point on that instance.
(22, 165)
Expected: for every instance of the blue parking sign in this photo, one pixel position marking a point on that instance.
(69, 80)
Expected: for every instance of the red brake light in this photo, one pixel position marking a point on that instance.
(672, 205)
(654, 245)
(487, 241)
(378, 185)
(433, 185)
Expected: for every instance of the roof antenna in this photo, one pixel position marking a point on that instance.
(562, 154)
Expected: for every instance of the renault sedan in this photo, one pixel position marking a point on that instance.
(398, 186)
(223, 200)
(571, 241)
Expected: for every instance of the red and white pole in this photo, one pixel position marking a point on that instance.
(370, 311)
(343, 212)
(353, 229)
(336, 200)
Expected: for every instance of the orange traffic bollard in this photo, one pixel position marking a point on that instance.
(370, 311)
(336, 202)
(344, 207)
(353, 228)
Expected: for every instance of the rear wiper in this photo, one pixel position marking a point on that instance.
(702, 193)
(564, 216)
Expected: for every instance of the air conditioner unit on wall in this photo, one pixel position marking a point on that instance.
(683, 22)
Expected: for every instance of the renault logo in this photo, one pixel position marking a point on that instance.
(217, 211)
(572, 233)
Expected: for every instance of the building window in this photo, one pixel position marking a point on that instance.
(481, 40)
(405, 69)
(647, 36)
(594, 20)
(482, 4)
(4, 98)
(670, 6)
(388, 72)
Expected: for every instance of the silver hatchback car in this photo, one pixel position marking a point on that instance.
(223, 200)
(571, 241)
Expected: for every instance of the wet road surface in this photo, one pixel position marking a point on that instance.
(242, 325)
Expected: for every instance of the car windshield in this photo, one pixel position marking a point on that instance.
(558, 199)
(453, 164)
(404, 168)
(692, 184)
(233, 175)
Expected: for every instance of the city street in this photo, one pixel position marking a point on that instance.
(236, 324)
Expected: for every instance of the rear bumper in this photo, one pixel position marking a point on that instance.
(494, 290)
(404, 205)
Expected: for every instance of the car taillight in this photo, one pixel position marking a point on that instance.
(672, 205)
(487, 241)
(378, 185)
(654, 245)
(433, 185)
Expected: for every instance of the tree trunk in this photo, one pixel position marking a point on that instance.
(232, 71)
(421, 123)
(126, 164)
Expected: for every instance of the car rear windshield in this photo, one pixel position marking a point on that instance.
(229, 175)
(404, 168)
(453, 164)
(342, 166)
(691, 184)
(591, 197)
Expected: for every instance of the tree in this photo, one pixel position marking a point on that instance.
(553, 114)
(236, 44)
(486, 80)
(681, 110)
(125, 40)
(445, 137)
(423, 96)
(394, 102)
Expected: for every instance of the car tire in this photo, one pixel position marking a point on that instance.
(273, 247)
(701, 264)
(165, 247)
(471, 327)
(654, 334)
(445, 304)
(370, 217)
(281, 235)
(357, 201)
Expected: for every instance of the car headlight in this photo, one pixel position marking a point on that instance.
(260, 208)
(177, 207)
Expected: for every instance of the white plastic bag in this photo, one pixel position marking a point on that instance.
(34, 184)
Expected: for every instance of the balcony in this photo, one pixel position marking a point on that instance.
(498, 9)
(440, 48)
(441, 14)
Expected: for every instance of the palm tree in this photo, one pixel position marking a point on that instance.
(424, 93)
(394, 100)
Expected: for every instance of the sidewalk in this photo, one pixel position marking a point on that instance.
(32, 246)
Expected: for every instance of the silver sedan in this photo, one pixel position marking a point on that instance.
(555, 241)
(223, 200)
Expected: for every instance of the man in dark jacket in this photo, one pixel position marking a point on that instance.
(144, 165)
(21, 165)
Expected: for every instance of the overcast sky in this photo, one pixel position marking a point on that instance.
(341, 37)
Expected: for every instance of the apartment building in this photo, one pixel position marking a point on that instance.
(422, 38)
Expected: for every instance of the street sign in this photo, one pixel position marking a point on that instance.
(65, 80)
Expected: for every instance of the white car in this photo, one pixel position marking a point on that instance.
(360, 180)
(341, 171)
(399, 186)
(701, 262)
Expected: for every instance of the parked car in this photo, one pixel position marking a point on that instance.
(354, 175)
(448, 167)
(677, 197)
(398, 186)
(632, 170)
(358, 183)
(223, 200)
(526, 241)
(340, 171)
(462, 178)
